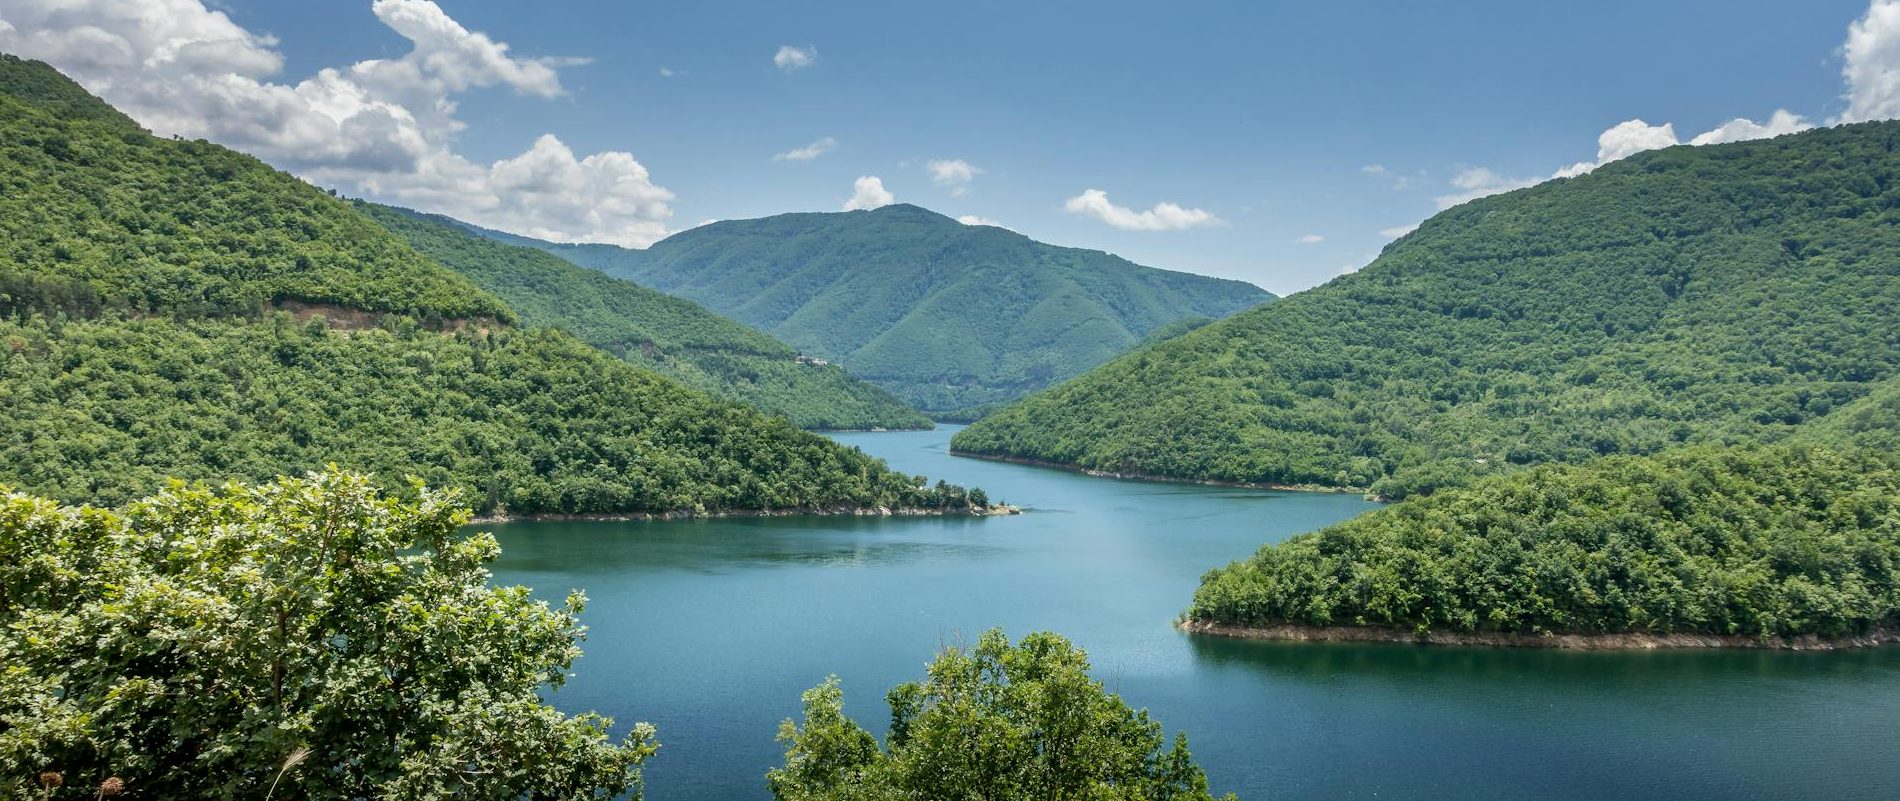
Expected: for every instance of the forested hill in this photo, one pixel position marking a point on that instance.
(946, 316)
(137, 345)
(96, 213)
(672, 336)
(1695, 294)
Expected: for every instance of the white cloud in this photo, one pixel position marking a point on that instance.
(1871, 64)
(952, 172)
(971, 219)
(1781, 122)
(1476, 182)
(789, 58)
(381, 127)
(1310, 239)
(808, 152)
(1398, 231)
(1621, 141)
(1399, 182)
(668, 72)
(868, 192)
(1162, 217)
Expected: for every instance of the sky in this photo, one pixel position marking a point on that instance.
(1277, 143)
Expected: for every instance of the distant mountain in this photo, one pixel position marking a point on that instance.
(672, 336)
(946, 316)
(174, 309)
(1689, 295)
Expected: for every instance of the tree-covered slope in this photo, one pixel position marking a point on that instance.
(135, 346)
(673, 336)
(1871, 424)
(1745, 540)
(530, 421)
(1694, 294)
(945, 315)
(96, 212)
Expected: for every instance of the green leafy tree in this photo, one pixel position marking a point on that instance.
(306, 638)
(998, 721)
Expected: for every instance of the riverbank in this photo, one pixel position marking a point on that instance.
(1579, 642)
(994, 510)
(1138, 476)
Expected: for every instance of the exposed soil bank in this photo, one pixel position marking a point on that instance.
(1580, 642)
(1136, 476)
(691, 514)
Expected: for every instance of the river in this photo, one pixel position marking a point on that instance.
(710, 630)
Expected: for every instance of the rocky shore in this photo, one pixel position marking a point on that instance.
(1581, 642)
(994, 510)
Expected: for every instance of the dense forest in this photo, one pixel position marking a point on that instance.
(301, 639)
(1744, 540)
(137, 344)
(674, 337)
(95, 212)
(998, 720)
(944, 315)
(1717, 294)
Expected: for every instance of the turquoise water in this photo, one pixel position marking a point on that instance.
(711, 629)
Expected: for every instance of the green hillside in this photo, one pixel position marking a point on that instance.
(95, 212)
(1871, 424)
(1688, 295)
(136, 345)
(672, 336)
(944, 315)
(1748, 540)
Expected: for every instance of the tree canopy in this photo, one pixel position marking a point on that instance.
(996, 721)
(304, 638)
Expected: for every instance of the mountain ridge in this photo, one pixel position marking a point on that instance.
(946, 316)
(1714, 294)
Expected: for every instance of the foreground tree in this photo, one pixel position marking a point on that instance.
(999, 721)
(306, 638)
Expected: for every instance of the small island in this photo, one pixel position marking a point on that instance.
(1759, 546)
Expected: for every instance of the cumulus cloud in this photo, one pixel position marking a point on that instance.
(808, 152)
(1398, 231)
(1621, 141)
(1310, 239)
(1162, 217)
(953, 173)
(383, 127)
(971, 219)
(1871, 64)
(868, 192)
(668, 72)
(1476, 182)
(790, 59)
(1739, 129)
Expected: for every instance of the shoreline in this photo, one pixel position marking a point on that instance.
(1160, 479)
(994, 510)
(1629, 641)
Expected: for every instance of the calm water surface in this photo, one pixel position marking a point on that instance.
(711, 629)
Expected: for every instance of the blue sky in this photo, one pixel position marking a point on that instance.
(1263, 116)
